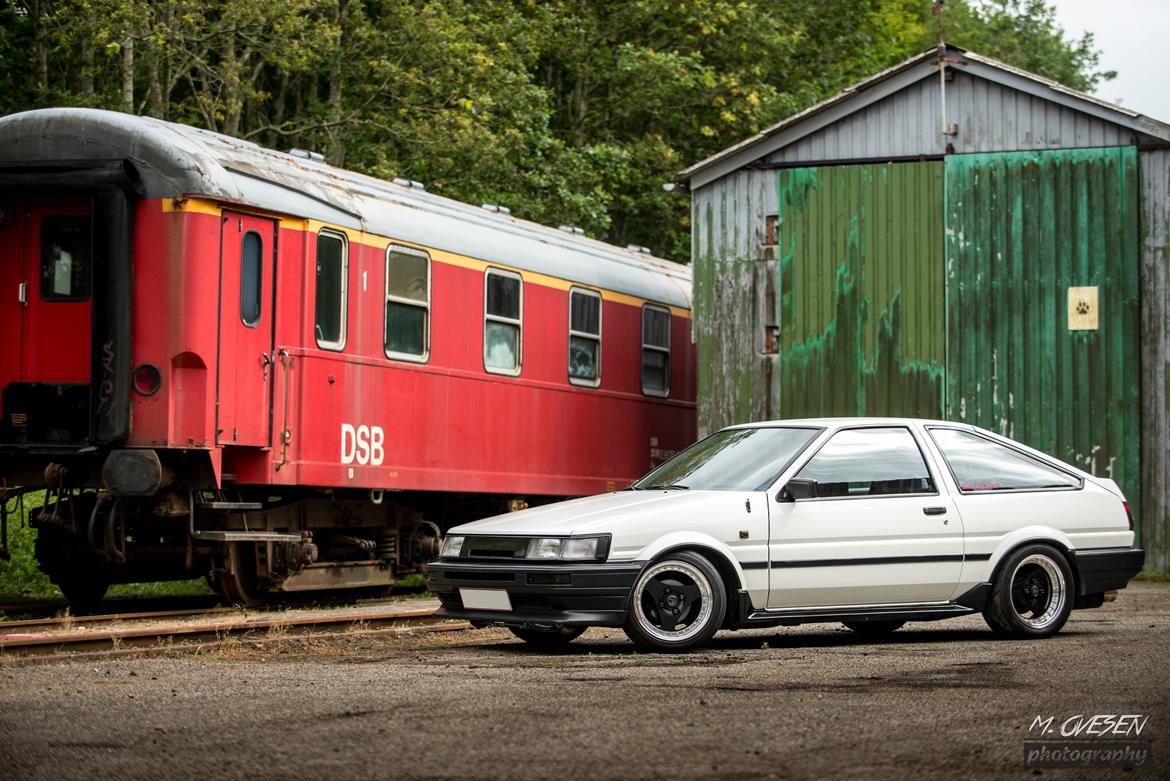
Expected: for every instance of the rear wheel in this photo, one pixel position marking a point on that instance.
(551, 636)
(1032, 596)
(677, 604)
(874, 628)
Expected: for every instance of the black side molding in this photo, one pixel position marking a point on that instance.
(1106, 569)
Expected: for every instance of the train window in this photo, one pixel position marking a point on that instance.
(65, 258)
(408, 303)
(584, 337)
(332, 289)
(655, 350)
(502, 313)
(251, 278)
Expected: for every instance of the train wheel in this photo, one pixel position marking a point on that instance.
(236, 576)
(84, 588)
(82, 578)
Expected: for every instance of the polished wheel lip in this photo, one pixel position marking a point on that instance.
(692, 629)
(1051, 573)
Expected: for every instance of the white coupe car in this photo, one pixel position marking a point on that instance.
(870, 522)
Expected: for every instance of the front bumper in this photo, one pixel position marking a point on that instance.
(1106, 569)
(587, 594)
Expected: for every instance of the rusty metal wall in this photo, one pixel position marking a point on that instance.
(1022, 228)
(990, 117)
(861, 277)
(734, 299)
(1155, 339)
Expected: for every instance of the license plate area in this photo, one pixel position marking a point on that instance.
(486, 599)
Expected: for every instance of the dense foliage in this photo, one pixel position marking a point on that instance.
(567, 111)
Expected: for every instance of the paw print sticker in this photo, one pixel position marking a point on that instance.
(1082, 309)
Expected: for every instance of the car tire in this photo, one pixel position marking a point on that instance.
(553, 636)
(677, 604)
(874, 628)
(1032, 594)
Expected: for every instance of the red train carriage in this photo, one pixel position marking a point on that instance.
(226, 360)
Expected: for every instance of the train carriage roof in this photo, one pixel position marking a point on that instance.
(178, 161)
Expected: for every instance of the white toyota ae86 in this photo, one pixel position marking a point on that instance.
(870, 522)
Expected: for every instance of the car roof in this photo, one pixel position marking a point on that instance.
(854, 421)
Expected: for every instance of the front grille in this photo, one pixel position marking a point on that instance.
(464, 575)
(495, 547)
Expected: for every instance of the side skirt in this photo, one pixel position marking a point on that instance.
(971, 601)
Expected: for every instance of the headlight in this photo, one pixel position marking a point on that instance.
(452, 547)
(581, 548)
(545, 548)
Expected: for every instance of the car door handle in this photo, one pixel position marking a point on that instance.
(934, 510)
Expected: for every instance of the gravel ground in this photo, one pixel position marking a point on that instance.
(943, 700)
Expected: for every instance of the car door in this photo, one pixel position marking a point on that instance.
(879, 531)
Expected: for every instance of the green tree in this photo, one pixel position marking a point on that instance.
(566, 111)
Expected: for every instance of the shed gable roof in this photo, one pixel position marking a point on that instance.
(903, 77)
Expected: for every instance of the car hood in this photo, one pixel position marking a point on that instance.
(592, 514)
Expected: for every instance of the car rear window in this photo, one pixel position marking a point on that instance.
(980, 464)
(743, 459)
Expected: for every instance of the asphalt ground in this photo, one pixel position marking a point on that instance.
(942, 700)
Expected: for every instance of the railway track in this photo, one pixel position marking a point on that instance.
(127, 606)
(178, 629)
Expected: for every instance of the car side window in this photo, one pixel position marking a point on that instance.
(869, 462)
(980, 464)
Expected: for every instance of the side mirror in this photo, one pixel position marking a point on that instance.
(798, 488)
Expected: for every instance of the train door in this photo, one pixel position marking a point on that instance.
(54, 291)
(46, 279)
(247, 279)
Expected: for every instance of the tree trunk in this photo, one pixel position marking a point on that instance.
(128, 74)
(154, 97)
(41, 40)
(85, 81)
(233, 101)
(336, 152)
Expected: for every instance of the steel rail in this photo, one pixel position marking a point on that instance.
(162, 637)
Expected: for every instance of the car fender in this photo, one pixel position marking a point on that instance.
(690, 539)
(1026, 535)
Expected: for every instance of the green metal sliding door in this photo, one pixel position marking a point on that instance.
(862, 307)
(1043, 304)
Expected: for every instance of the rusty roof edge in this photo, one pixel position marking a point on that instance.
(1034, 84)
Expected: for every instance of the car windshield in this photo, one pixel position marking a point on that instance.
(742, 459)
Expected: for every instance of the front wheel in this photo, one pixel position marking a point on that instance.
(1032, 596)
(677, 604)
(547, 637)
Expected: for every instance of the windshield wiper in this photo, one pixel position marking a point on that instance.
(669, 487)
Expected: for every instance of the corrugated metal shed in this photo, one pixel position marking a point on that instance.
(913, 246)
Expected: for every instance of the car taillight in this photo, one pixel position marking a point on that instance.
(1128, 514)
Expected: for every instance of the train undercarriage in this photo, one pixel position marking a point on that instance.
(247, 542)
